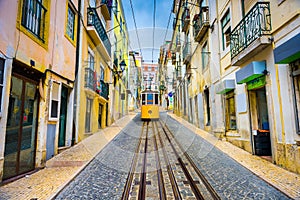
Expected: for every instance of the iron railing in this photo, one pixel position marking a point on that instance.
(94, 20)
(91, 82)
(255, 24)
(200, 21)
(33, 18)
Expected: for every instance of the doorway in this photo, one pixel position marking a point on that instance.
(260, 122)
(21, 128)
(63, 116)
(100, 116)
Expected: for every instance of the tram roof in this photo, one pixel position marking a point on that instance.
(149, 91)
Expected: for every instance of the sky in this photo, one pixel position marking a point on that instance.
(143, 12)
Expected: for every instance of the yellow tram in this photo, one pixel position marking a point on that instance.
(150, 105)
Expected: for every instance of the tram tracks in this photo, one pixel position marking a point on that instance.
(161, 169)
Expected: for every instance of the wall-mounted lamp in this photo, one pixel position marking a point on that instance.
(266, 72)
(122, 68)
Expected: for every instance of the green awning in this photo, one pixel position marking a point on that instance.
(225, 86)
(250, 72)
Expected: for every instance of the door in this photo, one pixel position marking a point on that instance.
(260, 122)
(63, 117)
(21, 128)
(100, 116)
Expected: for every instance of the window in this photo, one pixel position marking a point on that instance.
(54, 101)
(70, 29)
(226, 29)
(91, 60)
(296, 84)
(205, 55)
(230, 111)
(33, 17)
(101, 72)
(1, 81)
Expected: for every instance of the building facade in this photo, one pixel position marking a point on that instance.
(240, 63)
(94, 68)
(37, 62)
(121, 62)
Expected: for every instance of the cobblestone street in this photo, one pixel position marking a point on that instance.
(105, 176)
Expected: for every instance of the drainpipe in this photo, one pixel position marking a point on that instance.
(77, 75)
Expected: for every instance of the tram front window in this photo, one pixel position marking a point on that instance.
(150, 99)
(143, 99)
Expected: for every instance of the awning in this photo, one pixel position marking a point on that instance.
(254, 70)
(225, 86)
(288, 51)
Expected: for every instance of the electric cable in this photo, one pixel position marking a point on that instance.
(136, 31)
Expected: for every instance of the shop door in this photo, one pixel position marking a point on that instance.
(63, 117)
(260, 122)
(100, 116)
(20, 140)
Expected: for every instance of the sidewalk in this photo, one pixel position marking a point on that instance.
(62, 168)
(283, 180)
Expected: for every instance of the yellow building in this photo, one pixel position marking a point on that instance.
(94, 69)
(121, 62)
(37, 69)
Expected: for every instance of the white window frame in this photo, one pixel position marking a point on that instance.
(51, 98)
(68, 30)
(91, 52)
(102, 72)
(225, 28)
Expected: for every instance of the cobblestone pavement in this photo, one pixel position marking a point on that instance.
(225, 166)
(105, 177)
(62, 168)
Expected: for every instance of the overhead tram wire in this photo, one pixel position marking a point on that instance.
(153, 34)
(136, 31)
(168, 25)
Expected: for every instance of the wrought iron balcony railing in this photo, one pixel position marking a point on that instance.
(33, 17)
(91, 82)
(255, 24)
(201, 23)
(94, 20)
(185, 19)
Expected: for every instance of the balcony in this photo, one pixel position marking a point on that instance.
(185, 19)
(97, 32)
(95, 85)
(201, 23)
(252, 34)
(186, 53)
(106, 9)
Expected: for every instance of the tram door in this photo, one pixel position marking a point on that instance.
(20, 140)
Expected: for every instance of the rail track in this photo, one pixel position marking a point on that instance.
(161, 169)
